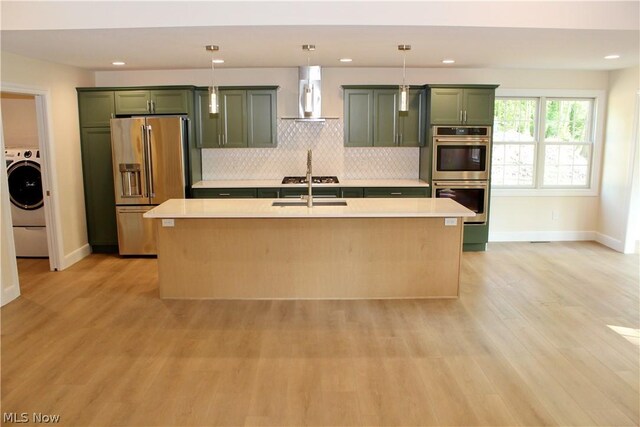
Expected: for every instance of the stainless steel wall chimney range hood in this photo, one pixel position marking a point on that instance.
(309, 95)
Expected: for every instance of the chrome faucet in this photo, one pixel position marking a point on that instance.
(309, 181)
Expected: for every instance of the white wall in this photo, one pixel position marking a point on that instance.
(60, 81)
(512, 218)
(19, 125)
(618, 158)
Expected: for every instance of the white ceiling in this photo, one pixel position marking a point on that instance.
(476, 41)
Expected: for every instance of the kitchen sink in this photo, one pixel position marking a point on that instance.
(284, 203)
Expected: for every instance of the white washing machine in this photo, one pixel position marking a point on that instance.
(27, 202)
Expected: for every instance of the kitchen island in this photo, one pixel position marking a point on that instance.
(251, 249)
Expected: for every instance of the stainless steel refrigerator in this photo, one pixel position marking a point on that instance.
(148, 169)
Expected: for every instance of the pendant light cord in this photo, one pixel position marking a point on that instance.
(404, 65)
(212, 72)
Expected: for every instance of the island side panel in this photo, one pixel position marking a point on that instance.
(309, 258)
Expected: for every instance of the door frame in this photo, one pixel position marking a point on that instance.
(46, 144)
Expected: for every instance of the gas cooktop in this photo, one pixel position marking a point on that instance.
(314, 180)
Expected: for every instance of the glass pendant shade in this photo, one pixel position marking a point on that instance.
(213, 100)
(403, 99)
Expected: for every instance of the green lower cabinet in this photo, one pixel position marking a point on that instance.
(317, 192)
(351, 192)
(396, 192)
(475, 237)
(98, 188)
(224, 193)
(268, 193)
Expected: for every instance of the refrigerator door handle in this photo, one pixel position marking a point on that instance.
(152, 192)
(145, 156)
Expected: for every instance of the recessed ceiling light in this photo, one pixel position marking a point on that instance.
(117, 63)
(218, 61)
(612, 57)
(346, 59)
(448, 61)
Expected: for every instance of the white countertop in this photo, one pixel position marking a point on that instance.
(273, 183)
(262, 208)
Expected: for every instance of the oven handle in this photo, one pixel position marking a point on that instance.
(467, 141)
(460, 184)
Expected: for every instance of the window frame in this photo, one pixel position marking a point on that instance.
(596, 131)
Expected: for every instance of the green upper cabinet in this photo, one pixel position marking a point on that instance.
(372, 119)
(233, 118)
(161, 101)
(358, 117)
(468, 105)
(96, 108)
(385, 118)
(247, 118)
(207, 124)
(479, 105)
(411, 124)
(261, 118)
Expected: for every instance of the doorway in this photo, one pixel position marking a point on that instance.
(26, 144)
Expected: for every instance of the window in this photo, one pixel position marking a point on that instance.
(544, 142)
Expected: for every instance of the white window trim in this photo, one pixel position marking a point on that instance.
(598, 138)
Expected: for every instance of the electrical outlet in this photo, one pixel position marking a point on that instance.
(555, 215)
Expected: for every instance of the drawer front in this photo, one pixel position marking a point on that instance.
(351, 192)
(396, 192)
(223, 193)
(317, 192)
(268, 193)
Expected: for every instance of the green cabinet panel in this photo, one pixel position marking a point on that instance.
(261, 118)
(462, 105)
(98, 186)
(385, 118)
(303, 191)
(233, 118)
(479, 105)
(169, 101)
(132, 102)
(372, 119)
(396, 192)
(207, 125)
(412, 124)
(96, 108)
(351, 192)
(358, 117)
(268, 193)
(475, 237)
(223, 193)
(247, 118)
(161, 101)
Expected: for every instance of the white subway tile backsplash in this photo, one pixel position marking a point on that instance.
(330, 157)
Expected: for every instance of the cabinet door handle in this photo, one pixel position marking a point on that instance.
(401, 139)
(465, 116)
(225, 194)
(224, 137)
(461, 121)
(148, 106)
(396, 194)
(219, 140)
(153, 106)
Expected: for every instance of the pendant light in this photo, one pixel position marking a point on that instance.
(213, 91)
(403, 96)
(307, 100)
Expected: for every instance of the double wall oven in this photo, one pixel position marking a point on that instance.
(461, 163)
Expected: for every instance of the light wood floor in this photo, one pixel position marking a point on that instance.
(535, 339)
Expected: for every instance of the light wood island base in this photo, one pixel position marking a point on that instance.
(309, 258)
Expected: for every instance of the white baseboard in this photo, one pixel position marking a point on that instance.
(75, 256)
(541, 236)
(615, 244)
